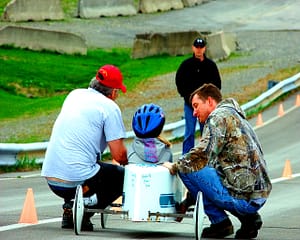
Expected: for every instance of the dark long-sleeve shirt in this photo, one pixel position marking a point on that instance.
(193, 73)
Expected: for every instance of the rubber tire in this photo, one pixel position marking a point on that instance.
(199, 216)
(78, 210)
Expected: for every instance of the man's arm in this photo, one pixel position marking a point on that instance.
(180, 80)
(118, 151)
(171, 167)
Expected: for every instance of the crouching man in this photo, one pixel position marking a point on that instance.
(227, 166)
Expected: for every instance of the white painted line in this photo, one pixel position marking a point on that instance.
(281, 179)
(19, 177)
(275, 118)
(22, 225)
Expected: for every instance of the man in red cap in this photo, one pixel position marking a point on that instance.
(89, 121)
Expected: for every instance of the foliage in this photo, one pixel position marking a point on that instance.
(23, 164)
(3, 3)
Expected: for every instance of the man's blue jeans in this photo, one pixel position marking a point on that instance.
(216, 198)
(190, 127)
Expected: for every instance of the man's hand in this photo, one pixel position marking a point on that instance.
(169, 166)
(120, 163)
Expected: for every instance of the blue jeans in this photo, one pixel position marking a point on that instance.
(190, 127)
(216, 198)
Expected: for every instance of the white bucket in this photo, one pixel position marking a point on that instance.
(149, 187)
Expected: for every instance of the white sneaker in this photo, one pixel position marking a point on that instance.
(90, 201)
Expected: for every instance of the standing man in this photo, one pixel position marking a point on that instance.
(89, 121)
(227, 166)
(192, 74)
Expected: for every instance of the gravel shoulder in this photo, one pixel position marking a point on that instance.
(268, 40)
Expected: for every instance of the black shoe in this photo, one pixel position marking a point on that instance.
(218, 230)
(182, 207)
(87, 225)
(67, 218)
(250, 226)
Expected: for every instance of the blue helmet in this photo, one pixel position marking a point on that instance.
(148, 121)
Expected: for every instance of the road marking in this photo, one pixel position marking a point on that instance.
(281, 179)
(19, 177)
(22, 225)
(275, 118)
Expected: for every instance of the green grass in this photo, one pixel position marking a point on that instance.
(3, 3)
(31, 82)
(22, 165)
(13, 106)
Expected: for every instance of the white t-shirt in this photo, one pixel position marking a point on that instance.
(87, 121)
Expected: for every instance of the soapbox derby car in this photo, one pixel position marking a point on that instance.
(149, 194)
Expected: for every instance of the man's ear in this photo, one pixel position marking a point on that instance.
(211, 101)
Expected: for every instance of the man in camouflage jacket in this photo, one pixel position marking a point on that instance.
(227, 166)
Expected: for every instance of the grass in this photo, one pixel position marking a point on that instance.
(3, 3)
(253, 90)
(23, 164)
(33, 82)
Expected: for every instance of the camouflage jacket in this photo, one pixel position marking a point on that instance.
(230, 145)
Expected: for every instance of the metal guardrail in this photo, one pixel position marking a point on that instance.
(275, 92)
(10, 152)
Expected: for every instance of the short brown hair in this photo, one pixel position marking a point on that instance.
(207, 90)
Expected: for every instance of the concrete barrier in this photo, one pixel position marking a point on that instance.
(150, 6)
(33, 10)
(39, 39)
(173, 43)
(219, 45)
(191, 3)
(109, 8)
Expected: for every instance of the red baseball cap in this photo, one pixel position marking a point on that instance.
(111, 76)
